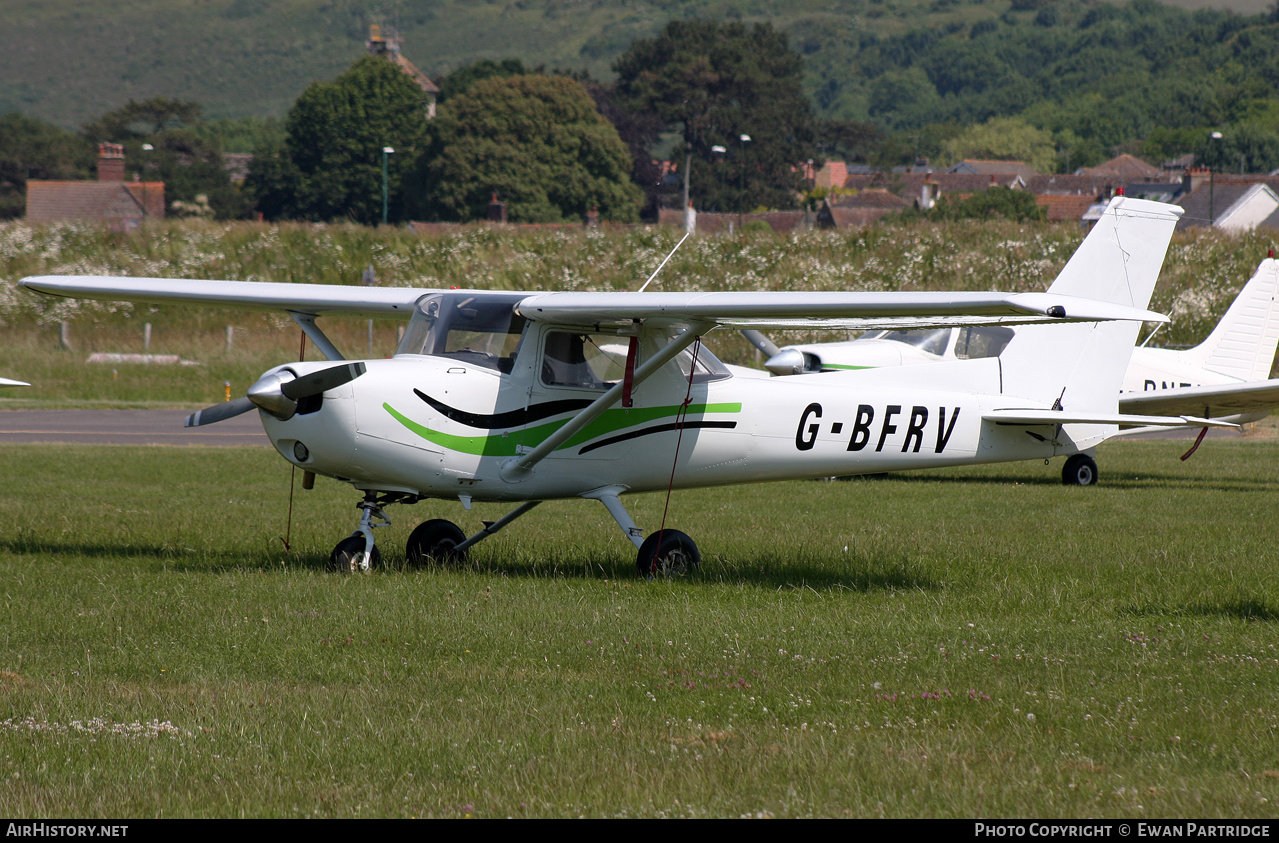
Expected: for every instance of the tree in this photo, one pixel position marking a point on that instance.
(330, 166)
(1005, 139)
(163, 141)
(460, 80)
(537, 143)
(33, 149)
(1017, 205)
(135, 120)
(715, 83)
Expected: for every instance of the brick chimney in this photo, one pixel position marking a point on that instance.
(110, 162)
(1196, 177)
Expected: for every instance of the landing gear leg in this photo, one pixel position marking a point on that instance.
(664, 553)
(357, 553)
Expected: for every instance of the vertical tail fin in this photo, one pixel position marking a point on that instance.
(1083, 364)
(1243, 343)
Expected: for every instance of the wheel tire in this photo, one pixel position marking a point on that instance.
(346, 557)
(678, 555)
(433, 542)
(1079, 470)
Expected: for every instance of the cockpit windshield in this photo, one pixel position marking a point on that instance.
(932, 340)
(482, 330)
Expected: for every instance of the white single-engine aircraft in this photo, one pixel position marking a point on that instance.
(1225, 377)
(502, 396)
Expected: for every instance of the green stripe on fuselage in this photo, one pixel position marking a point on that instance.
(508, 443)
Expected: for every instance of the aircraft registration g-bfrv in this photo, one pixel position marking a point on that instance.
(525, 397)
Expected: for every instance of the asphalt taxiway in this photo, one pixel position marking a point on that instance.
(126, 427)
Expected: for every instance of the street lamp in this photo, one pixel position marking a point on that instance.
(1212, 173)
(386, 150)
(745, 139)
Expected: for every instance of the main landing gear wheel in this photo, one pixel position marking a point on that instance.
(1079, 470)
(434, 542)
(348, 556)
(677, 555)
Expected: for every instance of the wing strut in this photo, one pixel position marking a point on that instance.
(519, 468)
(306, 321)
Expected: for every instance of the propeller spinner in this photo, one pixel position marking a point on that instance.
(278, 393)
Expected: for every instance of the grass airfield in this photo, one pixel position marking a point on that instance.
(977, 642)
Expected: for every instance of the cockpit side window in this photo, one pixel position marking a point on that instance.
(584, 360)
(979, 341)
(481, 330)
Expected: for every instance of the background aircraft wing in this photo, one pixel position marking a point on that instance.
(824, 310)
(313, 299)
(1218, 400)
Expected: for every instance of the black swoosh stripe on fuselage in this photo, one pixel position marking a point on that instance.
(661, 428)
(511, 418)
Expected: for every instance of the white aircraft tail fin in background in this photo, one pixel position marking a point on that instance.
(1119, 262)
(1243, 343)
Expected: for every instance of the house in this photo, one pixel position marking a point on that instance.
(119, 203)
(1125, 168)
(860, 209)
(1229, 204)
(388, 47)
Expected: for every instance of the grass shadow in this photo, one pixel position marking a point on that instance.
(169, 556)
(766, 572)
(1114, 479)
(1244, 609)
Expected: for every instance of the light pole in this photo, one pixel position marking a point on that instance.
(386, 150)
(741, 164)
(1212, 173)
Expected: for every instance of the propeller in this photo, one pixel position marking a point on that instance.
(278, 393)
(761, 342)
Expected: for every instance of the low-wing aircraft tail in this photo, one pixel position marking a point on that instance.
(1243, 343)
(1118, 262)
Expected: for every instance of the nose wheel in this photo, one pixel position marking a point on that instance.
(352, 556)
(357, 554)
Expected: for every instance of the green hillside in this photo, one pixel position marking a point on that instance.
(65, 61)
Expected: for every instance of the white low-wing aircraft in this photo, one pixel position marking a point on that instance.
(1225, 377)
(520, 397)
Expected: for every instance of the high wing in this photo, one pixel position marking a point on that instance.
(1216, 400)
(849, 310)
(8, 382)
(313, 299)
(766, 309)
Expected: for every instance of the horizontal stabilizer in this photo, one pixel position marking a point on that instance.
(1217, 400)
(1029, 417)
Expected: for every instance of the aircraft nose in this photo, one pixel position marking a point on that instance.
(279, 392)
(267, 394)
(788, 361)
